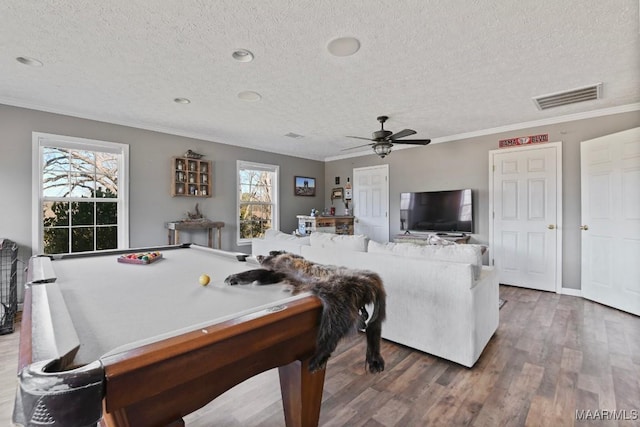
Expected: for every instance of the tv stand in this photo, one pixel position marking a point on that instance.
(422, 238)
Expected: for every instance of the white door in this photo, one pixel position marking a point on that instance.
(371, 202)
(525, 199)
(610, 169)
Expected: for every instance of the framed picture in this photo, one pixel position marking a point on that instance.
(304, 186)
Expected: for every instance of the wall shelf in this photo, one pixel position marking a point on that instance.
(190, 177)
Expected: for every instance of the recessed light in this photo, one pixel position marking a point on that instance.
(343, 46)
(32, 62)
(249, 95)
(293, 135)
(182, 101)
(242, 55)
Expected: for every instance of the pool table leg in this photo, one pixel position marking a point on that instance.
(173, 236)
(301, 394)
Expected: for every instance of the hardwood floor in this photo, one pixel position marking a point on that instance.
(552, 355)
(8, 367)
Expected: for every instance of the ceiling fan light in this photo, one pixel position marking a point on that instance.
(382, 149)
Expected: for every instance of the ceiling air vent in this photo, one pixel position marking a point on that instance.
(586, 93)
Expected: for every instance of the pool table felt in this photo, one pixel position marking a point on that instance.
(116, 306)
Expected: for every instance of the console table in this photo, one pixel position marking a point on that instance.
(338, 224)
(174, 228)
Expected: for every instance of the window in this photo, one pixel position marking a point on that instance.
(466, 208)
(80, 190)
(257, 200)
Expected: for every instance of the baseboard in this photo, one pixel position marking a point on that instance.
(572, 292)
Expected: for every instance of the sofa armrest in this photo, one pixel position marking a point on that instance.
(433, 306)
(486, 296)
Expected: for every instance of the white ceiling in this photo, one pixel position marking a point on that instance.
(445, 69)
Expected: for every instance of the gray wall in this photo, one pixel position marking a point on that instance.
(465, 164)
(151, 204)
(458, 164)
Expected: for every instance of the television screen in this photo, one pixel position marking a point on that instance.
(440, 211)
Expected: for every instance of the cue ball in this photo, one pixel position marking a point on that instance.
(204, 280)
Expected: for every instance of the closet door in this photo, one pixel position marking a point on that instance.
(525, 197)
(610, 179)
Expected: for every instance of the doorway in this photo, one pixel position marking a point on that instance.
(371, 202)
(525, 217)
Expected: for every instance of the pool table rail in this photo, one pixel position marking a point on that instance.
(47, 388)
(164, 381)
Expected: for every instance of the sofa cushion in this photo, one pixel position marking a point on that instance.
(469, 254)
(272, 234)
(356, 242)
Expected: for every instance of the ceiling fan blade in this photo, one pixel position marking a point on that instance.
(414, 141)
(353, 148)
(402, 134)
(359, 137)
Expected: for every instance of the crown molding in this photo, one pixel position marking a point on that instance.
(56, 110)
(195, 135)
(627, 108)
(153, 128)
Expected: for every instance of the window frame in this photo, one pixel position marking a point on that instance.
(275, 191)
(41, 140)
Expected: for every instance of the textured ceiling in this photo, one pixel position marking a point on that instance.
(445, 69)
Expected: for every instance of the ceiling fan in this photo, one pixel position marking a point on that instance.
(384, 139)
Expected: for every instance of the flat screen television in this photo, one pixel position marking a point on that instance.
(437, 211)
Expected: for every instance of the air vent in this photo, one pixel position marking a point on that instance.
(587, 93)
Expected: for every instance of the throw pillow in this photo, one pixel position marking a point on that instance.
(356, 242)
(469, 254)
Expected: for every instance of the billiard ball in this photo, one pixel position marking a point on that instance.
(204, 280)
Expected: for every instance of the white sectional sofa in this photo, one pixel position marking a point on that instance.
(440, 298)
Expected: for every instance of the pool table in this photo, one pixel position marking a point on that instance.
(123, 344)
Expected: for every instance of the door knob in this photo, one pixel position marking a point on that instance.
(551, 226)
(584, 227)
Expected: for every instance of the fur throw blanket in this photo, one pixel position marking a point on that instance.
(344, 294)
